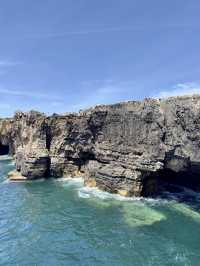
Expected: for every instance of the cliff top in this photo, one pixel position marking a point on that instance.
(103, 107)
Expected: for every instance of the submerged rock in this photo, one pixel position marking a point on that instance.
(123, 148)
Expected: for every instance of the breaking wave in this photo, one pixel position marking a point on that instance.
(5, 157)
(93, 192)
(69, 181)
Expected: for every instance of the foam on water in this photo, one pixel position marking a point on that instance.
(89, 192)
(187, 211)
(135, 215)
(12, 163)
(5, 157)
(136, 211)
(69, 181)
(6, 181)
(93, 192)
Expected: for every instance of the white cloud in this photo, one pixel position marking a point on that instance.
(56, 103)
(26, 93)
(108, 92)
(180, 89)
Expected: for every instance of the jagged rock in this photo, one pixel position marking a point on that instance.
(123, 148)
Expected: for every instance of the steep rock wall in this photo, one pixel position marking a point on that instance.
(122, 148)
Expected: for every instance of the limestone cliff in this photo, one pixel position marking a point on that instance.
(125, 148)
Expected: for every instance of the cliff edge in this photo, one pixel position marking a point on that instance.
(125, 148)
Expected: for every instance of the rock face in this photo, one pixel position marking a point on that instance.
(125, 148)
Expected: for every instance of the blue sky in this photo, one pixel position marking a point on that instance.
(65, 55)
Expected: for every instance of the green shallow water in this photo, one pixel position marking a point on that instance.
(61, 223)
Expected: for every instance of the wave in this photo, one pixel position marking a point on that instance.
(93, 192)
(185, 194)
(88, 192)
(69, 181)
(192, 193)
(5, 157)
(5, 181)
(12, 163)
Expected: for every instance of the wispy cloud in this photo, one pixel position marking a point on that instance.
(56, 103)
(98, 96)
(180, 89)
(88, 31)
(96, 82)
(82, 32)
(36, 95)
(101, 92)
(95, 29)
(7, 63)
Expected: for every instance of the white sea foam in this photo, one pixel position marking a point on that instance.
(136, 211)
(68, 181)
(12, 163)
(5, 157)
(6, 181)
(89, 192)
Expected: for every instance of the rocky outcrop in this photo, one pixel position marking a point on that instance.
(125, 148)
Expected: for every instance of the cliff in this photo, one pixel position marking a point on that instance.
(125, 148)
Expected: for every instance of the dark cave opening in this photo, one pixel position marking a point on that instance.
(4, 149)
(86, 156)
(166, 180)
(171, 180)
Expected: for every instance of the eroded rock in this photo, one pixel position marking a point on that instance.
(120, 148)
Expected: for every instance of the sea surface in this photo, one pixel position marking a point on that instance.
(60, 222)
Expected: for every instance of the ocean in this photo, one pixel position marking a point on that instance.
(60, 222)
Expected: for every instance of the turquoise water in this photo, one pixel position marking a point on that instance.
(62, 223)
